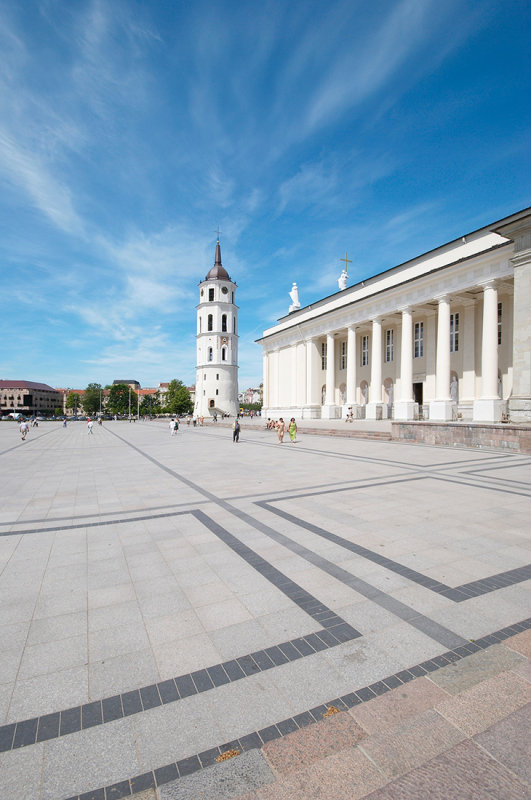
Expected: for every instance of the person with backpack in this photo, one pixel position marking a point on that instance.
(236, 430)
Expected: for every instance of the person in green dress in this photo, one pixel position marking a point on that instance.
(292, 430)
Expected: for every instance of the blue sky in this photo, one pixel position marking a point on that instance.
(130, 130)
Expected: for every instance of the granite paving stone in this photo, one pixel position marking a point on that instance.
(245, 773)
(108, 752)
(521, 643)
(166, 565)
(508, 741)
(463, 772)
(347, 775)
(312, 743)
(480, 706)
(410, 743)
(395, 707)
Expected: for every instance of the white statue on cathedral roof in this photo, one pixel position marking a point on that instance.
(294, 294)
(342, 280)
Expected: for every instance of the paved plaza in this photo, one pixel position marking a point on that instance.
(168, 599)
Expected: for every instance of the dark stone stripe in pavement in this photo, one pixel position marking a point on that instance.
(99, 712)
(256, 739)
(457, 594)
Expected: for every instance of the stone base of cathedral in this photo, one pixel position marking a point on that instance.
(375, 411)
(331, 412)
(488, 410)
(519, 409)
(405, 409)
(441, 411)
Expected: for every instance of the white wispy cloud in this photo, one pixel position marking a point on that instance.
(25, 171)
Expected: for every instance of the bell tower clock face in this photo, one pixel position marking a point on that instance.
(224, 290)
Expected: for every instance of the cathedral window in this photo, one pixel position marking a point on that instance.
(323, 355)
(343, 356)
(210, 324)
(224, 323)
(389, 345)
(419, 339)
(454, 333)
(364, 351)
(211, 294)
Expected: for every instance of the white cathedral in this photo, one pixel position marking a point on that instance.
(446, 335)
(216, 386)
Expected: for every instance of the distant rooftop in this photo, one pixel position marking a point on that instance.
(42, 387)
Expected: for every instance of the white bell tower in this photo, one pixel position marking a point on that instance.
(216, 384)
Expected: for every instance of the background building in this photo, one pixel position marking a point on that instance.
(27, 397)
(216, 386)
(444, 336)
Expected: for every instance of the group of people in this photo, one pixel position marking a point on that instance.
(280, 427)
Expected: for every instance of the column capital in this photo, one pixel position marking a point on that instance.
(405, 309)
(490, 283)
(442, 298)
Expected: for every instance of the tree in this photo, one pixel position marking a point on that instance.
(93, 397)
(118, 400)
(178, 398)
(72, 401)
(150, 404)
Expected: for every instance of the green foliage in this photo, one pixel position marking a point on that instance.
(251, 406)
(91, 400)
(73, 401)
(57, 412)
(118, 400)
(178, 398)
(150, 404)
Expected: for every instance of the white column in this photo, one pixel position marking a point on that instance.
(351, 366)
(519, 402)
(375, 405)
(330, 369)
(312, 407)
(265, 380)
(309, 372)
(330, 410)
(405, 406)
(488, 408)
(275, 364)
(293, 397)
(468, 393)
(441, 407)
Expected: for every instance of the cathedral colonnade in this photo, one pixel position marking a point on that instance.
(444, 337)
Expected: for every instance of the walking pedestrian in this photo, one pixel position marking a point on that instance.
(292, 430)
(281, 430)
(236, 431)
(172, 427)
(23, 428)
(90, 425)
